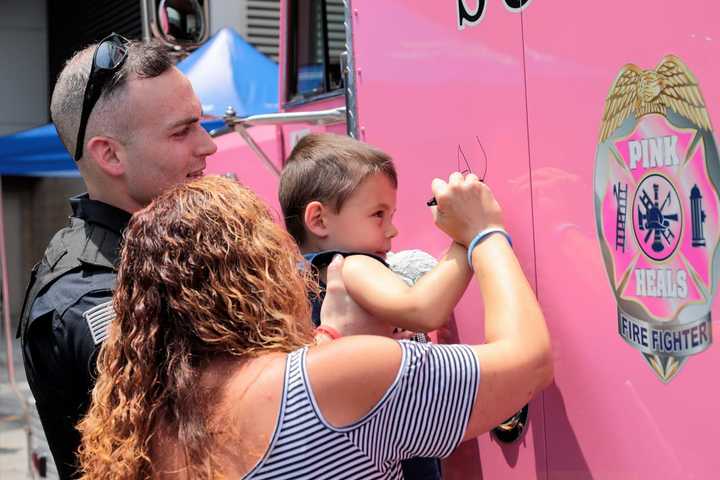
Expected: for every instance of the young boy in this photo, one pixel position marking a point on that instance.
(338, 195)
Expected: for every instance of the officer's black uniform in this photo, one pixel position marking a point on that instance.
(64, 320)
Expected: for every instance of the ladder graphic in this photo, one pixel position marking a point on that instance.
(620, 193)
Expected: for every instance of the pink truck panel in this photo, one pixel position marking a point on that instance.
(532, 86)
(235, 157)
(425, 87)
(592, 123)
(609, 416)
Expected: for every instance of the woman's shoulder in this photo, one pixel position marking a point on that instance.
(349, 376)
(245, 379)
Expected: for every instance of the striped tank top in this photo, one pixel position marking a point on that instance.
(424, 413)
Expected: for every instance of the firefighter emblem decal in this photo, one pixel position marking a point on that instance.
(656, 209)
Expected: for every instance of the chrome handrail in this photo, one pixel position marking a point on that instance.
(317, 117)
(240, 124)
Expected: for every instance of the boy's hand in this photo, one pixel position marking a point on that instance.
(465, 206)
(339, 310)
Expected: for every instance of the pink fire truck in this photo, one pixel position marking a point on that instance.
(593, 123)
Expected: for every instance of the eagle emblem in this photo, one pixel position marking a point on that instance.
(640, 92)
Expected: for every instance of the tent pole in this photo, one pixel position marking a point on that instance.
(6, 306)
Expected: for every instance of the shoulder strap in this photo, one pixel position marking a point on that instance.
(322, 259)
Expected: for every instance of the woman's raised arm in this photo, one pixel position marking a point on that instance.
(515, 361)
(351, 376)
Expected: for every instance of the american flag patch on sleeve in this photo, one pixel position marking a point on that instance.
(98, 319)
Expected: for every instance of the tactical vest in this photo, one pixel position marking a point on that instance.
(79, 246)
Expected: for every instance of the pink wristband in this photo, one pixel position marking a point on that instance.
(329, 331)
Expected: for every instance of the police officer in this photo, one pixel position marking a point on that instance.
(132, 121)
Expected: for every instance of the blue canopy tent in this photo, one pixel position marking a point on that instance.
(225, 71)
(229, 71)
(36, 152)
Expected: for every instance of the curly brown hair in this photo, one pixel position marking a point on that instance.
(205, 273)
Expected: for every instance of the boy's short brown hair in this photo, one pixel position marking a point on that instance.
(326, 168)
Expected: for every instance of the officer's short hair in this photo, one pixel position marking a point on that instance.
(144, 60)
(326, 168)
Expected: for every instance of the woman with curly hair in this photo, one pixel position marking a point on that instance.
(210, 370)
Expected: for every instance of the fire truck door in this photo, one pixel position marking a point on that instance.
(636, 388)
(440, 97)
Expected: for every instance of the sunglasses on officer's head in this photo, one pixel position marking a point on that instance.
(109, 56)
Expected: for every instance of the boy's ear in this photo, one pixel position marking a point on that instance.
(315, 219)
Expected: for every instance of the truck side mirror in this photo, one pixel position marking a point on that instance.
(179, 24)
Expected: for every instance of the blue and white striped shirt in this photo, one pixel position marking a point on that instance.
(424, 413)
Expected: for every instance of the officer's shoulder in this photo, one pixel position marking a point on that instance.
(76, 263)
(66, 245)
(82, 243)
(79, 262)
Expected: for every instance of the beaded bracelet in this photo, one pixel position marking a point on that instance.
(482, 236)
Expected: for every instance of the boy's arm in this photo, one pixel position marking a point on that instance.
(425, 306)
